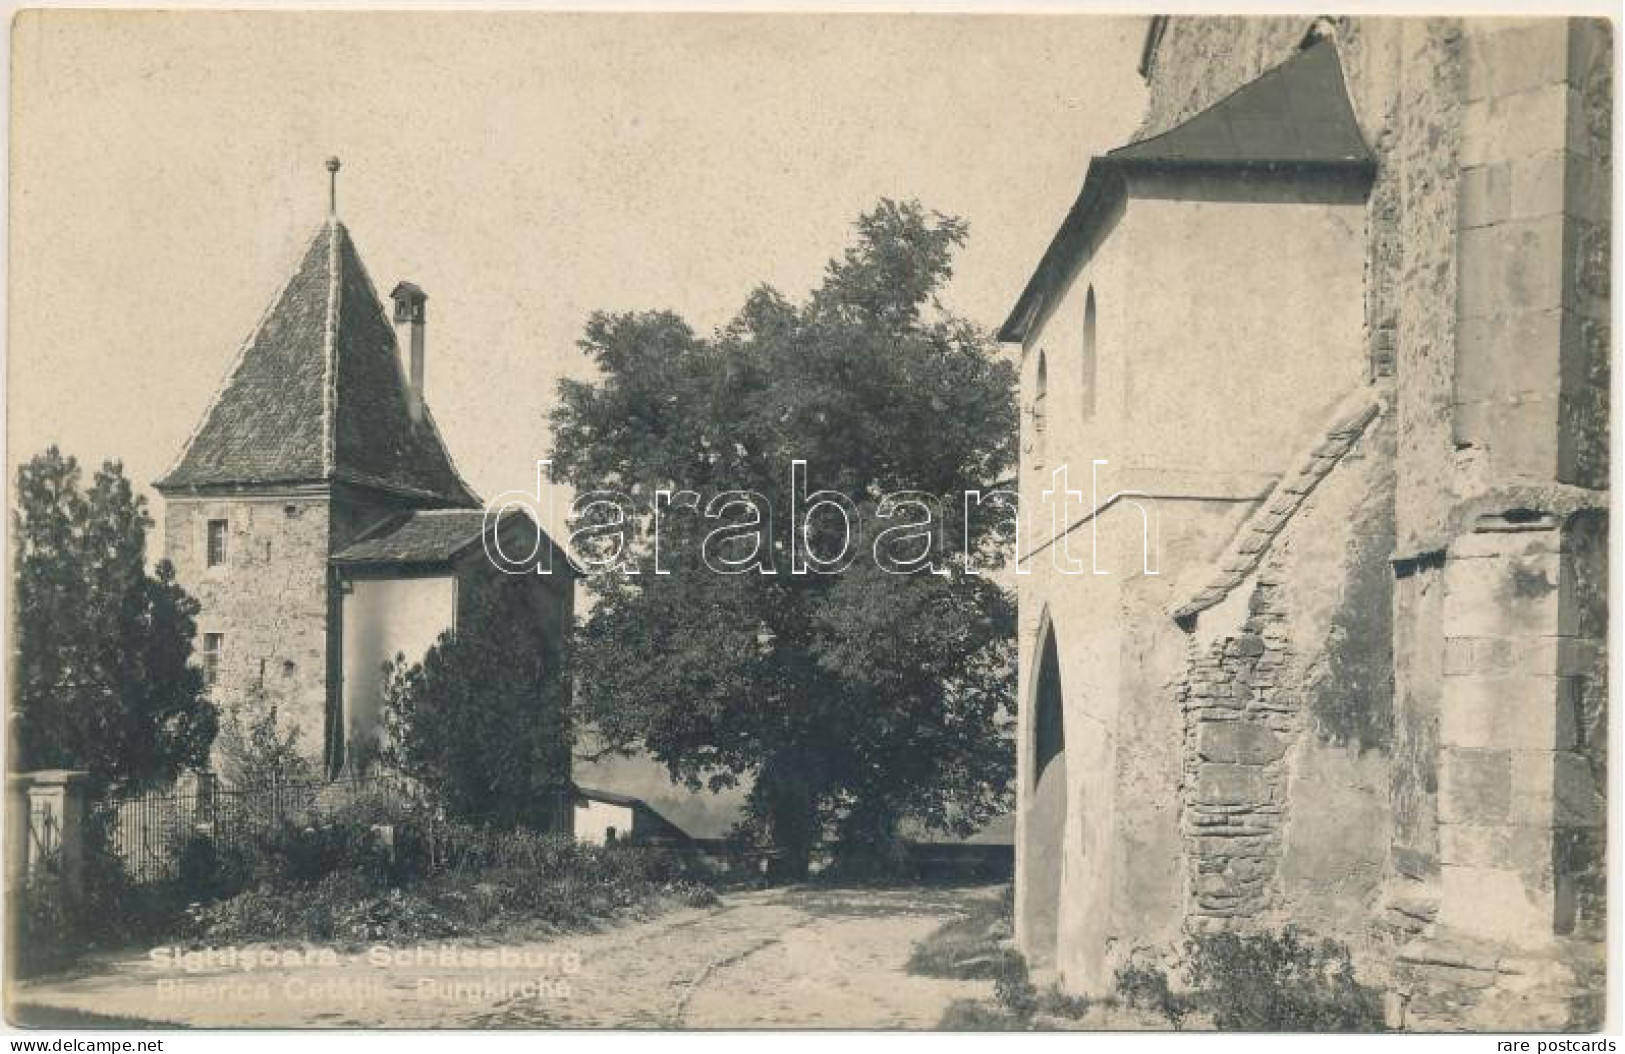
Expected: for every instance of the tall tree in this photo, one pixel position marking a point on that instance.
(104, 680)
(853, 700)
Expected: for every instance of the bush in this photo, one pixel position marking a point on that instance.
(488, 736)
(1014, 989)
(447, 879)
(1280, 983)
(1146, 987)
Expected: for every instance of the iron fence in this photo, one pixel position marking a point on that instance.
(146, 830)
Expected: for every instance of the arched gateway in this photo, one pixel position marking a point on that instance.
(1047, 808)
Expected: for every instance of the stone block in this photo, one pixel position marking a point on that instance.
(1240, 742)
(1494, 903)
(1247, 646)
(1514, 58)
(1485, 195)
(1494, 128)
(1587, 268)
(1528, 713)
(1538, 186)
(1554, 789)
(1475, 786)
(1526, 849)
(1578, 797)
(1587, 187)
(1221, 784)
(1573, 656)
(1499, 356)
(1510, 267)
(1502, 597)
(1581, 611)
(1518, 436)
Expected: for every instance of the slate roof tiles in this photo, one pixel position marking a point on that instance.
(317, 395)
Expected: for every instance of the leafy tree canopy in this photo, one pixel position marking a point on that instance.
(104, 680)
(853, 701)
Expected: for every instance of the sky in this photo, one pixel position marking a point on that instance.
(525, 169)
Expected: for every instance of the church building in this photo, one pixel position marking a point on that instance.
(318, 518)
(1319, 640)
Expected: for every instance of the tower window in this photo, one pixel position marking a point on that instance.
(1086, 385)
(213, 644)
(1039, 409)
(216, 555)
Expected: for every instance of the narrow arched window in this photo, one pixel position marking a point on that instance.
(1086, 378)
(1039, 410)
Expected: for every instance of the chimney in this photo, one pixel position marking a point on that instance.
(409, 300)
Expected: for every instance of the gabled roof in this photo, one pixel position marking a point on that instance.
(425, 537)
(1294, 119)
(317, 395)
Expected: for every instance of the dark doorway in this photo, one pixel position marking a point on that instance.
(1047, 808)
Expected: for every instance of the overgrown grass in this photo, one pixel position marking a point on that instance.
(977, 946)
(972, 946)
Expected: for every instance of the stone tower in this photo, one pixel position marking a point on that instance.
(316, 437)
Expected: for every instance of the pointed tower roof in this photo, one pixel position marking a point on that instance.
(317, 395)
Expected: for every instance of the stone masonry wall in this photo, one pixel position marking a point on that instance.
(269, 601)
(1239, 721)
(1287, 700)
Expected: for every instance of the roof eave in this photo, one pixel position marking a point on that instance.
(169, 488)
(1102, 184)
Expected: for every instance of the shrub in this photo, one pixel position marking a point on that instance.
(1282, 982)
(1014, 989)
(490, 737)
(1145, 987)
(255, 750)
(447, 879)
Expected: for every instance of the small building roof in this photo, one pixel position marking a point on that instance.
(610, 797)
(426, 537)
(663, 826)
(317, 395)
(423, 536)
(1295, 118)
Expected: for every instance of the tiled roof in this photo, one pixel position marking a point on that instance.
(1295, 120)
(1246, 551)
(436, 536)
(317, 394)
(427, 536)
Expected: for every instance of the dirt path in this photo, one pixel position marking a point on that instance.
(778, 958)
